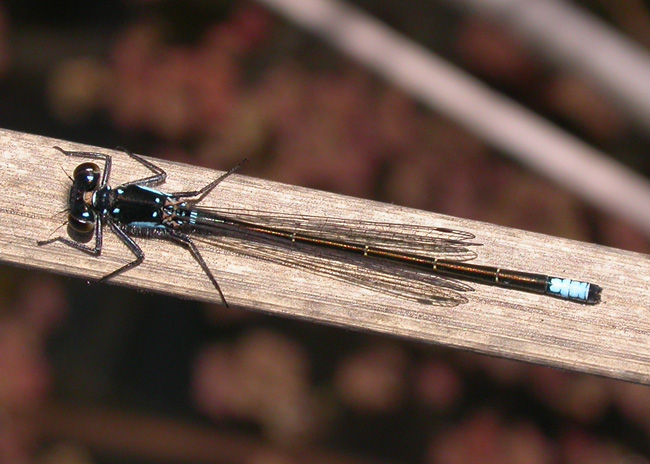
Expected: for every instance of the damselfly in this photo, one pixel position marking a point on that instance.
(418, 263)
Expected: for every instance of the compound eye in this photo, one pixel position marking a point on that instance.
(81, 219)
(86, 176)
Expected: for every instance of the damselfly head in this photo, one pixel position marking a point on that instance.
(81, 218)
(86, 177)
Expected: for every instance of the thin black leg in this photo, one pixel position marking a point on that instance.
(88, 154)
(159, 174)
(189, 244)
(157, 179)
(203, 192)
(95, 251)
(131, 245)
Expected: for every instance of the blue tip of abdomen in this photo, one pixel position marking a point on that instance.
(574, 290)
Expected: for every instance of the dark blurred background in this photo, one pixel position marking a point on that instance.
(100, 374)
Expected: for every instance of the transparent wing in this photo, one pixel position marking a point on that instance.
(385, 277)
(430, 242)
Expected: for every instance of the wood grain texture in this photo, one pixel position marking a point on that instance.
(611, 338)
